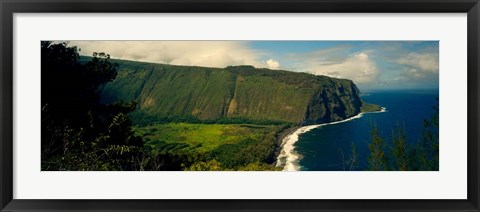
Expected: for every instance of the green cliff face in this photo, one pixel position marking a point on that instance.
(335, 100)
(239, 92)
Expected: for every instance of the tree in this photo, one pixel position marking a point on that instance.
(78, 132)
(400, 154)
(211, 165)
(352, 161)
(423, 156)
(428, 147)
(377, 160)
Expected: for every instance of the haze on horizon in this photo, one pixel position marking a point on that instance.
(370, 64)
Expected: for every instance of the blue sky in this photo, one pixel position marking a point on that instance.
(370, 64)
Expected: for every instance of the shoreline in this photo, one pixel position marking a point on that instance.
(279, 141)
(286, 156)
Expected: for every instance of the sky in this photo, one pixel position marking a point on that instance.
(372, 65)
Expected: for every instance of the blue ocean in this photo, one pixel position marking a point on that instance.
(326, 148)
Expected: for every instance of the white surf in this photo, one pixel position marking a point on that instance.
(288, 158)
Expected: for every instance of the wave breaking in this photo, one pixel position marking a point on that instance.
(289, 158)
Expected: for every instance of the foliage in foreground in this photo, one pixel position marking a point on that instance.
(422, 156)
(79, 133)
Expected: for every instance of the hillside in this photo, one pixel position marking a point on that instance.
(239, 92)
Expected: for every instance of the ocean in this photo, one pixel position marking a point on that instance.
(327, 147)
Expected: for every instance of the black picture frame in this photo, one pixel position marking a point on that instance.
(9, 7)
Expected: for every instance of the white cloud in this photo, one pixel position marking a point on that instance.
(272, 64)
(357, 67)
(195, 53)
(424, 62)
(341, 61)
(413, 73)
(419, 65)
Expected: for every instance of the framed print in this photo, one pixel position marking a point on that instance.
(255, 106)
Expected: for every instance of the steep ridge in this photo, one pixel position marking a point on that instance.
(234, 92)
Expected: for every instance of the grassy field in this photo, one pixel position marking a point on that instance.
(218, 146)
(202, 137)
